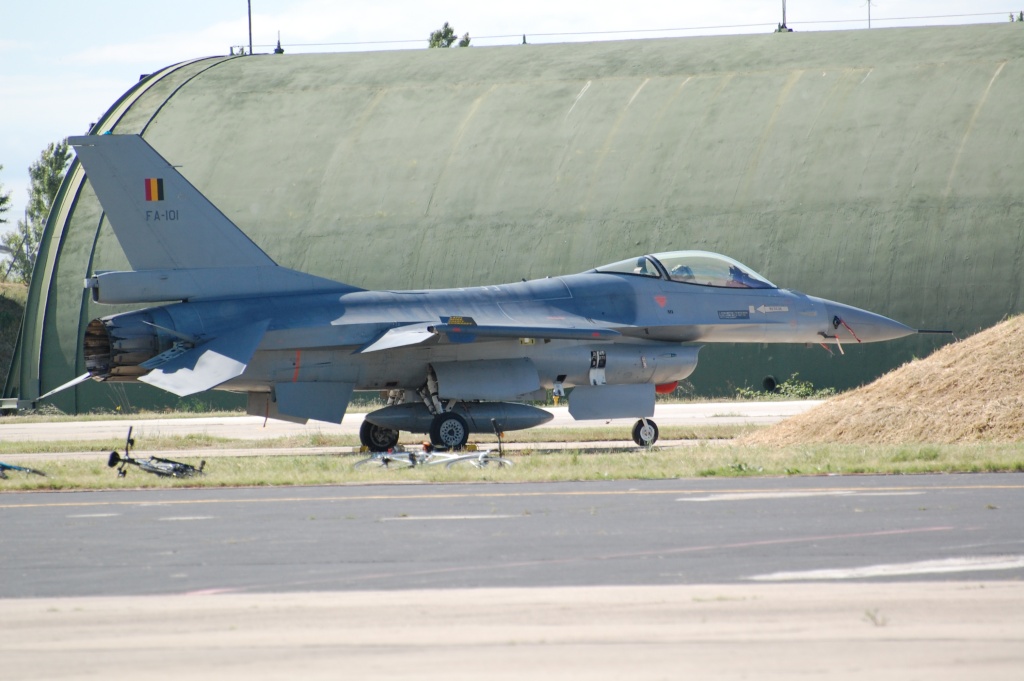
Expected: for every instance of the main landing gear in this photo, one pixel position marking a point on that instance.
(449, 430)
(376, 438)
(645, 432)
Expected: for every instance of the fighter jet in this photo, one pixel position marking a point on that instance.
(225, 316)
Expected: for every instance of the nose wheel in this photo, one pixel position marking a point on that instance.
(645, 432)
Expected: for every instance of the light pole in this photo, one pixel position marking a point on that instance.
(782, 27)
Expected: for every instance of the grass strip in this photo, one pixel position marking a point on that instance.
(200, 441)
(704, 460)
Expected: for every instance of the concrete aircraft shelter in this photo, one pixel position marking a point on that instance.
(881, 168)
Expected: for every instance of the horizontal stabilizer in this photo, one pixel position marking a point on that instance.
(210, 364)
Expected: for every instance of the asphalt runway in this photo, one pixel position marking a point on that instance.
(884, 577)
(624, 533)
(896, 577)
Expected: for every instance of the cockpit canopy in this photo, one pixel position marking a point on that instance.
(702, 268)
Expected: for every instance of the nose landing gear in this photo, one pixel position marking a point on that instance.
(645, 432)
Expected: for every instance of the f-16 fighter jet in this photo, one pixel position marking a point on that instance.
(225, 316)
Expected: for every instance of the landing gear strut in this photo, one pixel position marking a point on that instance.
(376, 438)
(645, 432)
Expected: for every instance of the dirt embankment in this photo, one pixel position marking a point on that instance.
(968, 391)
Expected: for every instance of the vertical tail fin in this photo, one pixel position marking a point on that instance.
(161, 221)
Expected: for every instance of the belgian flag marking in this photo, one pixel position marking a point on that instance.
(154, 189)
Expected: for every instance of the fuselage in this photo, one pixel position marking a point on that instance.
(318, 336)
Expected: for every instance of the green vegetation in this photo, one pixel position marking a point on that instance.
(46, 175)
(701, 460)
(12, 309)
(790, 389)
(5, 201)
(445, 37)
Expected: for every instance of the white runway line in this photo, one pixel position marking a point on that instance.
(926, 567)
(748, 496)
(449, 517)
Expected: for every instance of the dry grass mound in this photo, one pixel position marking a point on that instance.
(969, 391)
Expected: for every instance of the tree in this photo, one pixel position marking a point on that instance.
(5, 201)
(5, 205)
(445, 36)
(46, 175)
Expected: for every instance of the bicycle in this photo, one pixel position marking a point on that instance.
(4, 467)
(157, 466)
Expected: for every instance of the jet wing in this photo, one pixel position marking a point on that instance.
(410, 334)
(210, 364)
(414, 334)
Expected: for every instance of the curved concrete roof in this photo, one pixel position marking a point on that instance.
(880, 168)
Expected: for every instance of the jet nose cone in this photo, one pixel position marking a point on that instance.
(853, 324)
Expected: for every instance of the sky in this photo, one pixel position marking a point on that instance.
(63, 64)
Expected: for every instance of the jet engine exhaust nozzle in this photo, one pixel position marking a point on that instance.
(115, 347)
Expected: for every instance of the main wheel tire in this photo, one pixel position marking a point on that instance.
(645, 432)
(449, 431)
(377, 438)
